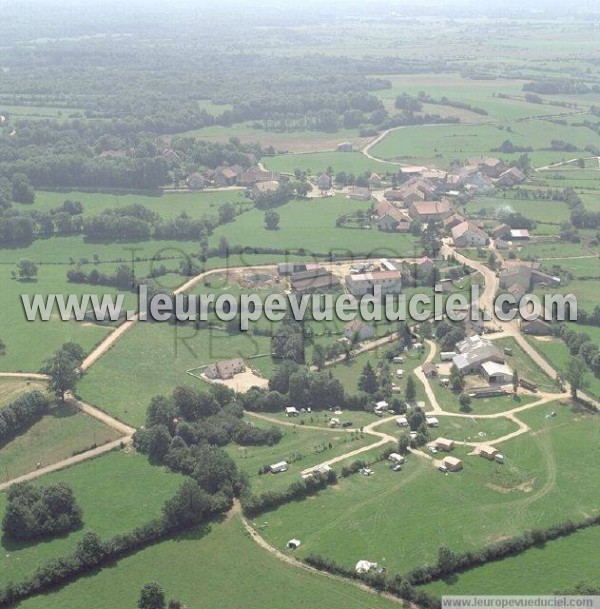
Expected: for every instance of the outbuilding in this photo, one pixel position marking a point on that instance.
(277, 468)
(396, 458)
(452, 464)
(402, 421)
(432, 421)
(443, 444)
(497, 374)
(487, 452)
(364, 566)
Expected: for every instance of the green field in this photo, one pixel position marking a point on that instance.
(116, 492)
(301, 448)
(28, 343)
(56, 436)
(310, 224)
(12, 388)
(197, 568)
(556, 566)
(318, 162)
(400, 518)
(152, 358)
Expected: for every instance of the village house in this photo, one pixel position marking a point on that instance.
(225, 369)
(425, 211)
(525, 276)
(519, 234)
(359, 330)
(501, 231)
(375, 180)
(454, 220)
(253, 176)
(389, 282)
(511, 177)
(429, 369)
(359, 193)
(393, 219)
(425, 264)
(324, 182)
(195, 181)
(490, 167)
(225, 176)
(467, 234)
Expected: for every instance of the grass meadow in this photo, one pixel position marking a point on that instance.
(399, 519)
(12, 388)
(216, 565)
(117, 492)
(58, 435)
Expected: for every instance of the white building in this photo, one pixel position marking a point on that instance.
(497, 374)
(279, 467)
(389, 282)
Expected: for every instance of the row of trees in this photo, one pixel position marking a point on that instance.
(21, 414)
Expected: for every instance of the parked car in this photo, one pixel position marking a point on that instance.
(397, 467)
(346, 423)
(432, 449)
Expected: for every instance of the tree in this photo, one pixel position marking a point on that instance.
(22, 190)
(152, 596)
(226, 213)
(403, 443)
(446, 559)
(368, 380)
(411, 389)
(63, 369)
(465, 402)
(2, 347)
(576, 375)
(515, 382)
(26, 269)
(457, 381)
(271, 219)
(188, 507)
(318, 358)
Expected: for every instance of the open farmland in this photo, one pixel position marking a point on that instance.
(12, 388)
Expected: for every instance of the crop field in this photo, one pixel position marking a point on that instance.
(558, 565)
(12, 388)
(60, 434)
(196, 568)
(310, 224)
(399, 518)
(318, 162)
(552, 248)
(584, 290)
(112, 491)
(579, 267)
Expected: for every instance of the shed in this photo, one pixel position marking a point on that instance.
(487, 452)
(291, 411)
(279, 467)
(452, 463)
(380, 406)
(402, 422)
(497, 374)
(397, 458)
(293, 544)
(432, 421)
(364, 566)
(443, 444)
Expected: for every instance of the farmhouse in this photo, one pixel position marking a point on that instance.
(225, 176)
(525, 276)
(497, 374)
(454, 220)
(262, 188)
(443, 444)
(394, 219)
(389, 282)
(195, 181)
(226, 369)
(510, 177)
(452, 464)
(324, 182)
(490, 167)
(358, 329)
(467, 234)
(501, 231)
(255, 175)
(487, 452)
(314, 280)
(425, 211)
(277, 468)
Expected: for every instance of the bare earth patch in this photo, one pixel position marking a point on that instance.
(525, 487)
